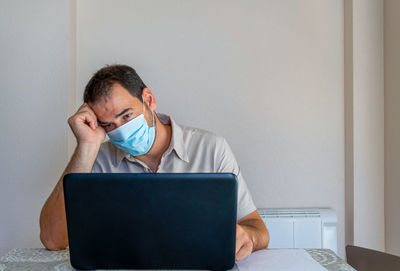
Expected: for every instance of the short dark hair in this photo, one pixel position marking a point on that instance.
(100, 85)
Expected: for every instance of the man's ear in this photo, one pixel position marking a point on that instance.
(149, 99)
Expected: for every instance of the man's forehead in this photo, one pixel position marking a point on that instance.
(108, 110)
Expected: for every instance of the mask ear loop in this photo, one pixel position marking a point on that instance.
(152, 113)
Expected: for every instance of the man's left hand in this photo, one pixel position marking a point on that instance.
(244, 243)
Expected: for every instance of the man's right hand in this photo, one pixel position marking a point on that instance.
(84, 126)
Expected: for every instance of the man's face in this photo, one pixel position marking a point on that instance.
(118, 109)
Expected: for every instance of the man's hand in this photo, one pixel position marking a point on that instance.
(244, 243)
(251, 235)
(84, 126)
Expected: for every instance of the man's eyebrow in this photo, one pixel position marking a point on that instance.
(123, 112)
(118, 115)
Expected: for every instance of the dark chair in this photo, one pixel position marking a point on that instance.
(363, 259)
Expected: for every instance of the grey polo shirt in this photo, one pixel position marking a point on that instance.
(190, 150)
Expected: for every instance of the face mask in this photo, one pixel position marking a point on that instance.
(134, 137)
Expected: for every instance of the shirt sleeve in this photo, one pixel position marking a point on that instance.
(226, 162)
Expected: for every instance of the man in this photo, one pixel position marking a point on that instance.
(117, 102)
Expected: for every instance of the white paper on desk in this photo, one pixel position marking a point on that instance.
(279, 260)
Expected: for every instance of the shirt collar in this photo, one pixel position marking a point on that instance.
(176, 144)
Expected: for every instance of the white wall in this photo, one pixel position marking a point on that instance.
(364, 123)
(34, 57)
(268, 75)
(368, 124)
(392, 126)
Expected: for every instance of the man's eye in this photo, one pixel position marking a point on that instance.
(127, 116)
(106, 125)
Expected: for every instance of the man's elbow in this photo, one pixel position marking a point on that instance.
(53, 244)
(263, 237)
(266, 238)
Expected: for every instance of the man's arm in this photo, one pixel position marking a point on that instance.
(251, 235)
(53, 225)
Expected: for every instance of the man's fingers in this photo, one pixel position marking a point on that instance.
(88, 118)
(83, 119)
(86, 114)
(89, 112)
(92, 122)
(238, 246)
(239, 255)
(243, 252)
(85, 108)
(244, 245)
(239, 240)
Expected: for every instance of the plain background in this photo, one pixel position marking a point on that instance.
(392, 126)
(270, 76)
(267, 75)
(34, 84)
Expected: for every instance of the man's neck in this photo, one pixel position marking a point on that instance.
(161, 143)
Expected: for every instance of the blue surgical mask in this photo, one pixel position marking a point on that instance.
(134, 137)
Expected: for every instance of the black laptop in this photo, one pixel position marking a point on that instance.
(151, 221)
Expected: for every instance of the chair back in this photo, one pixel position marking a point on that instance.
(363, 259)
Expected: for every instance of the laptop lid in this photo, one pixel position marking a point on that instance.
(151, 221)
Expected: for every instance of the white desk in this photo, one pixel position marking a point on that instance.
(40, 259)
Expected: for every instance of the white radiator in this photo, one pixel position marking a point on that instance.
(301, 228)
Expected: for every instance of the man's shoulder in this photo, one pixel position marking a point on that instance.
(199, 134)
(204, 146)
(191, 135)
(195, 138)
